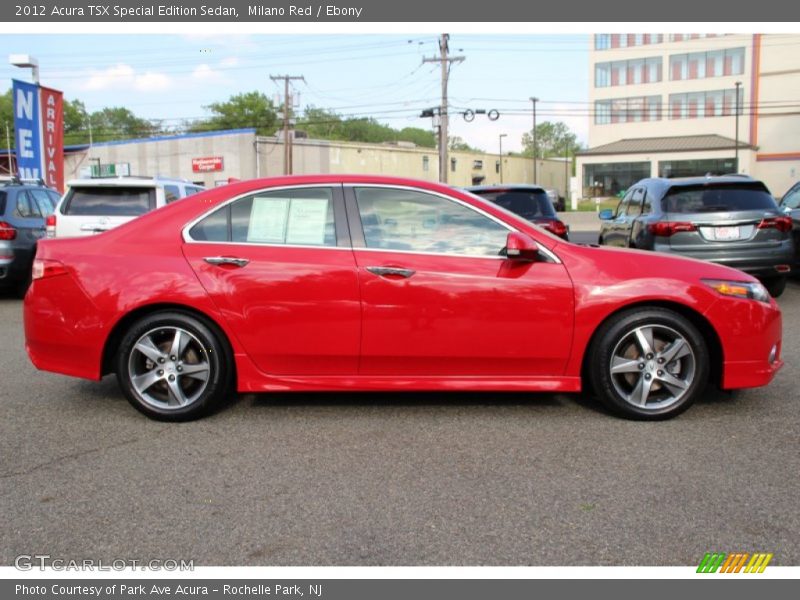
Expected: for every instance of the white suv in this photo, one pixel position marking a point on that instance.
(94, 205)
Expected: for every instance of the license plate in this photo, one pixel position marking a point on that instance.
(726, 233)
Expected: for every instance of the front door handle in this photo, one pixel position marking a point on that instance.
(226, 260)
(391, 272)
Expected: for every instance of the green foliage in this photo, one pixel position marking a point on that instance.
(457, 144)
(552, 139)
(250, 109)
(320, 123)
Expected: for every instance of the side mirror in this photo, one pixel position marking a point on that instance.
(605, 214)
(520, 247)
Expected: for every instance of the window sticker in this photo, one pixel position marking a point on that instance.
(268, 218)
(307, 218)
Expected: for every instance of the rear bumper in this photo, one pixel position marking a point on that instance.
(760, 262)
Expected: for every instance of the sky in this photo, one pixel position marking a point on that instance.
(173, 77)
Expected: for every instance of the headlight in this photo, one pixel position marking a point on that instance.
(739, 289)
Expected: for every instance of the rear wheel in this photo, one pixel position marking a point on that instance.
(775, 286)
(648, 364)
(172, 366)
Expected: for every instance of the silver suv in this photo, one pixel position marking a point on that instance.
(96, 205)
(732, 220)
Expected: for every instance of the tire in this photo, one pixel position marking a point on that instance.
(775, 286)
(168, 382)
(648, 364)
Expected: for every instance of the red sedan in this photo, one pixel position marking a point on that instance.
(376, 283)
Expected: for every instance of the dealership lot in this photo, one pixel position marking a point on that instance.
(397, 479)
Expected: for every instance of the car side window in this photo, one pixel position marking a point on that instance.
(26, 207)
(647, 206)
(44, 200)
(622, 207)
(792, 199)
(171, 193)
(635, 204)
(400, 219)
(295, 217)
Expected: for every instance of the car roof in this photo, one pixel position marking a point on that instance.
(499, 187)
(663, 184)
(128, 180)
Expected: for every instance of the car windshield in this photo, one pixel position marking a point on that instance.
(717, 198)
(110, 201)
(528, 204)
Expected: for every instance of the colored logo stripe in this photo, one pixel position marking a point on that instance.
(733, 563)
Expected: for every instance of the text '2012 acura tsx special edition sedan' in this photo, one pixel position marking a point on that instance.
(376, 283)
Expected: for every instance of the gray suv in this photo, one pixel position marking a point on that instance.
(731, 220)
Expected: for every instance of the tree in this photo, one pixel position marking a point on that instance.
(551, 140)
(250, 109)
(324, 124)
(457, 144)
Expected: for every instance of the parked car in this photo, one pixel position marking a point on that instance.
(731, 220)
(337, 282)
(790, 205)
(94, 205)
(530, 202)
(23, 210)
(555, 199)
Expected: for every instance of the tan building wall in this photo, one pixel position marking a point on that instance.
(172, 156)
(319, 156)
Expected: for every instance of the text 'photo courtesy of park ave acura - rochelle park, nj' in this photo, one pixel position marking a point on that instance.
(463, 298)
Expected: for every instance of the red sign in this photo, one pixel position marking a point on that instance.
(52, 107)
(207, 164)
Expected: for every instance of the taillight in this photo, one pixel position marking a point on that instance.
(668, 228)
(7, 231)
(782, 224)
(556, 227)
(50, 224)
(44, 267)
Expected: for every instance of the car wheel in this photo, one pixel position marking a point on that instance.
(775, 286)
(648, 364)
(172, 366)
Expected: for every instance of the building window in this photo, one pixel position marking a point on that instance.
(425, 163)
(627, 110)
(602, 41)
(702, 65)
(605, 41)
(627, 72)
(497, 166)
(698, 105)
(609, 179)
(477, 164)
(453, 163)
(695, 168)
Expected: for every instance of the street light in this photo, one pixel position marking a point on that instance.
(736, 160)
(535, 146)
(26, 61)
(502, 135)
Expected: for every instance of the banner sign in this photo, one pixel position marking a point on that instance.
(52, 103)
(27, 123)
(39, 125)
(207, 164)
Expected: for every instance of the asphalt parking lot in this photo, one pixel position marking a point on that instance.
(395, 479)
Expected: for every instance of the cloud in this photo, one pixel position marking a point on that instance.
(122, 76)
(231, 61)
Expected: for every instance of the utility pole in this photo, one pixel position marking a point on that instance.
(8, 145)
(736, 160)
(287, 104)
(535, 145)
(445, 62)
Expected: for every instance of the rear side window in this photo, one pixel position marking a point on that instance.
(44, 199)
(2, 203)
(191, 190)
(26, 207)
(717, 198)
(171, 193)
(528, 204)
(111, 201)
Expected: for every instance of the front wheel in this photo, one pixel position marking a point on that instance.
(648, 364)
(171, 366)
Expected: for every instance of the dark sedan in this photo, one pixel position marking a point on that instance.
(790, 204)
(731, 220)
(530, 202)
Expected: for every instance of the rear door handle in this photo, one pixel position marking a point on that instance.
(391, 272)
(226, 260)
